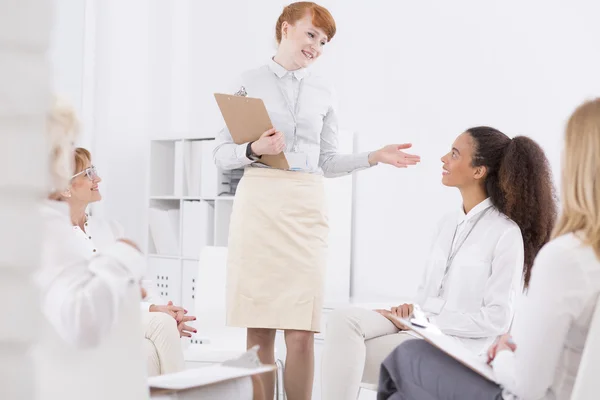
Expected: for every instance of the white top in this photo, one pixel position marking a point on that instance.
(483, 281)
(81, 293)
(316, 123)
(100, 235)
(90, 304)
(552, 323)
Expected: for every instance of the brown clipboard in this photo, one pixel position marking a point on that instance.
(247, 118)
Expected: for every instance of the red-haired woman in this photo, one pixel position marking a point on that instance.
(278, 231)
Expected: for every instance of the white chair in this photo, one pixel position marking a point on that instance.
(219, 341)
(367, 386)
(587, 384)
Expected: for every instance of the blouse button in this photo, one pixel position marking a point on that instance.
(94, 250)
(90, 237)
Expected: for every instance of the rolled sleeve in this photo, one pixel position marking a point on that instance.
(331, 162)
(229, 155)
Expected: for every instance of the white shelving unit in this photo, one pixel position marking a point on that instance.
(190, 203)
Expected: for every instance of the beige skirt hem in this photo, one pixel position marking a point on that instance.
(277, 251)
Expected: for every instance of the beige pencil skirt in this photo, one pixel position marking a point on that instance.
(277, 251)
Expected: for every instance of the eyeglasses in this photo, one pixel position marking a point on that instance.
(91, 173)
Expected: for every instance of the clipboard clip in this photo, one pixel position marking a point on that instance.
(242, 92)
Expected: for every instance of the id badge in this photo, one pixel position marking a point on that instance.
(434, 305)
(297, 161)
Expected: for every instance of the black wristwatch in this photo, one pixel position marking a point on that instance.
(250, 154)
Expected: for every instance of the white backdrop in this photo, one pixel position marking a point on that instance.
(404, 71)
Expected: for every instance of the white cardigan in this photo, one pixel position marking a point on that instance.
(100, 235)
(82, 292)
(552, 324)
(90, 341)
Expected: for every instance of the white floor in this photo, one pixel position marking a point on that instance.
(319, 343)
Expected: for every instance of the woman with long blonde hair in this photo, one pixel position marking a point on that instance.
(540, 357)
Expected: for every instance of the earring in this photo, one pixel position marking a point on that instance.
(67, 193)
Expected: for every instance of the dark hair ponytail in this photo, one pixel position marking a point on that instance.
(519, 183)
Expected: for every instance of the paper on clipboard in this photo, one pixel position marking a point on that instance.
(247, 364)
(432, 334)
(198, 377)
(247, 119)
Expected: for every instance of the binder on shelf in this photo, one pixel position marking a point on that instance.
(192, 165)
(201, 174)
(197, 232)
(208, 182)
(178, 169)
(164, 229)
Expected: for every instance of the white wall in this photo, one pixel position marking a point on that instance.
(66, 51)
(67, 56)
(405, 71)
(437, 69)
(121, 110)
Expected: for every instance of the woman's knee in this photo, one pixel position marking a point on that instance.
(342, 319)
(160, 322)
(299, 340)
(263, 337)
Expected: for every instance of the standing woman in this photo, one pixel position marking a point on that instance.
(278, 231)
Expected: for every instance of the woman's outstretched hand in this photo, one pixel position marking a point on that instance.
(392, 154)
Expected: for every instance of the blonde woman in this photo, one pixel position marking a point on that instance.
(91, 301)
(163, 323)
(540, 358)
(90, 304)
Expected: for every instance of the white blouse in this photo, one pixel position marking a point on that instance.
(81, 293)
(100, 235)
(91, 331)
(483, 280)
(552, 323)
(313, 131)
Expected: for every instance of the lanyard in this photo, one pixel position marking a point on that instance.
(293, 110)
(453, 252)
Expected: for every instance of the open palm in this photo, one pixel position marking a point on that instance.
(392, 154)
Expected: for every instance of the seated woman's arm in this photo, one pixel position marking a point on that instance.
(541, 324)
(81, 297)
(494, 316)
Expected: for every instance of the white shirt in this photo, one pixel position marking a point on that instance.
(100, 235)
(552, 323)
(316, 124)
(81, 293)
(483, 280)
(91, 315)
